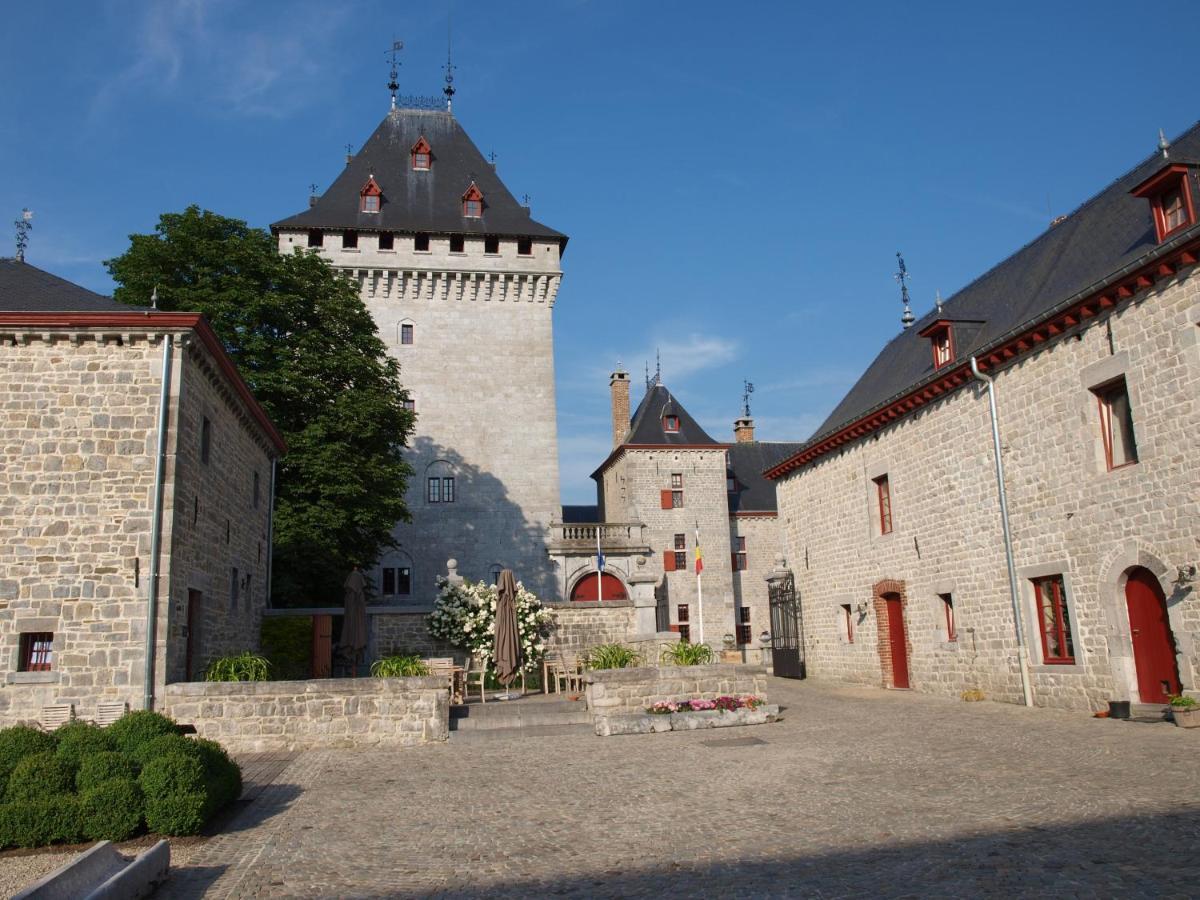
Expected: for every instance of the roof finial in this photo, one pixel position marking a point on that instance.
(394, 85)
(448, 90)
(1163, 144)
(657, 366)
(937, 299)
(747, 390)
(647, 374)
(902, 277)
(24, 226)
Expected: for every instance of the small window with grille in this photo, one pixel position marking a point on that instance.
(36, 651)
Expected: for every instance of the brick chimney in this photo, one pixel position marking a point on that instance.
(743, 430)
(619, 385)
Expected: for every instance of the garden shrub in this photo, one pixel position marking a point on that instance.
(222, 775)
(100, 767)
(287, 643)
(40, 776)
(19, 742)
(112, 810)
(177, 801)
(136, 728)
(36, 823)
(163, 745)
(77, 740)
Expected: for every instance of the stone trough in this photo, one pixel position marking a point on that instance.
(653, 723)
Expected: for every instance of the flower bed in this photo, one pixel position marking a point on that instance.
(689, 715)
(83, 782)
(729, 704)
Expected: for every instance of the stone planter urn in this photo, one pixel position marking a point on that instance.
(1185, 716)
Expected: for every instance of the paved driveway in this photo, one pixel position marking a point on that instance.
(857, 791)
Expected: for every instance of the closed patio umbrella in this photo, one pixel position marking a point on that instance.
(354, 624)
(506, 654)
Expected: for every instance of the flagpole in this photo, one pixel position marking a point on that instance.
(599, 569)
(699, 586)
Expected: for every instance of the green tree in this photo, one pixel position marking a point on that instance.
(308, 348)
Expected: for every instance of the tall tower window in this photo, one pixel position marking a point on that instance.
(421, 243)
(316, 238)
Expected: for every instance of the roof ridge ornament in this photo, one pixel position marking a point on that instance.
(747, 390)
(902, 277)
(1163, 144)
(394, 85)
(937, 300)
(657, 366)
(24, 226)
(448, 90)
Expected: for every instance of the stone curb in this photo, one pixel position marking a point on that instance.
(101, 873)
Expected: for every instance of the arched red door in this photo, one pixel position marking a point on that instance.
(610, 588)
(1153, 642)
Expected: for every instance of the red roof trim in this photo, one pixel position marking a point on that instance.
(1159, 179)
(152, 320)
(1120, 288)
(371, 188)
(934, 327)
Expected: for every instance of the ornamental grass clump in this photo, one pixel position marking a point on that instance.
(612, 656)
(686, 654)
(244, 666)
(399, 666)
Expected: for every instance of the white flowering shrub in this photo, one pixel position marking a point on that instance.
(465, 616)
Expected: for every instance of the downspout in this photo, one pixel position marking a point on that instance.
(160, 464)
(1022, 650)
(271, 530)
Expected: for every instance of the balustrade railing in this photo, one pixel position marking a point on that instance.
(611, 534)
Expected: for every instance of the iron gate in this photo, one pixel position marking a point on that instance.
(787, 629)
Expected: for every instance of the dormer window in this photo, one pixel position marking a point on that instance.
(1170, 194)
(370, 196)
(941, 338)
(670, 423)
(472, 202)
(422, 155)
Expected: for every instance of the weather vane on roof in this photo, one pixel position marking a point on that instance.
(657, 366)
(747, 390)
(393, 84)
(448, 90)
(24, 226)
(902, 277)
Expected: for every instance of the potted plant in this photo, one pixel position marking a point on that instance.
(1185, 711)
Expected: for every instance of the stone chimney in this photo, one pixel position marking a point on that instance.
(743, 430)
(619, 385)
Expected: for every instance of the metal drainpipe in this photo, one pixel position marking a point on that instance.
(164, 404)
(271, 531)
(1022, 650)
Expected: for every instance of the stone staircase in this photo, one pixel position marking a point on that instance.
(534, 715)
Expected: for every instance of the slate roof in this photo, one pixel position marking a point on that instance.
(420, 201)
(26, 288)
(1109, 232)
(647, 427)
(748, 461)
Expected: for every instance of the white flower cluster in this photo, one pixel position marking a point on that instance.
(465, 615)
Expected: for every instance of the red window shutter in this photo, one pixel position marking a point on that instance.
(668, 560)
(664, 499)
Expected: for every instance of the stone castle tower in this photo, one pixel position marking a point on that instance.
(462, 283)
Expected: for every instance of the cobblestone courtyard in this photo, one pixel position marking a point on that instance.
(856, 792)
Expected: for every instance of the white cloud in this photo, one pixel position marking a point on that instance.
(685, 356)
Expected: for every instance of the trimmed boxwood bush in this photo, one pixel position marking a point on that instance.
(19, 742)
(36, 823)
(105, 766)
(39, 776)
(176, 797)
(163, 745)
(136, 728)
(112, 810)
(79, 739)
(222, 774)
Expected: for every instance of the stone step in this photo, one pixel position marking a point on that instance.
(506, 708)
(476, 735)
(514, 718)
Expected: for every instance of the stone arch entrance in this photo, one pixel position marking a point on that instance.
(1154, 653)
(610, 588)
(891, 602)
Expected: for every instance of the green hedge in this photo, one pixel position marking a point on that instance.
(287, 643)
(86, 782)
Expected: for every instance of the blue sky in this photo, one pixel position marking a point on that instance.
(736, 180)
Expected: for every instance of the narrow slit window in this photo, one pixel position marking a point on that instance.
(848, 622)
(435, 490)
(205, 440)
(883, 493)
(947, 601)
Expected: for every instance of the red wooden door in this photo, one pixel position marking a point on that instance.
(322, 647)
(895, 616)
(610, 589)
(1153, 643)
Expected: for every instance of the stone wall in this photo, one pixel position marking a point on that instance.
(394, 632)
(764, 545)
(1069, 515)
(614, 692)
(301, 715)
(580, 626)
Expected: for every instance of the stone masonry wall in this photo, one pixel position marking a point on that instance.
(616, 692)
(764, 543)
(1069, 515)
(302, 715)
(394, 632)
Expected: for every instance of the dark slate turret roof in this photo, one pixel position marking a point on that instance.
(1109, 232)
(647, 426)
(748, 461)
(420, 201)
(26, 288)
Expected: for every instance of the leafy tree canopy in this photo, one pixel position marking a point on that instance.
(309, 350)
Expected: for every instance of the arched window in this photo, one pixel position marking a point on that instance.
(473, 202)
(394, 577)
(609, 588)
(370, 197)
(422, 155)
(440, 486)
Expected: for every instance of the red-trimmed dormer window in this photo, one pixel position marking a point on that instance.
(941, 338)
(422, 155)
(472, 202)
(670, 423)
(1170, 194)
(370, 197)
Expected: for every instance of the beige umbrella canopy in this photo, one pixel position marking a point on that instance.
(354, 624)
(507, 653)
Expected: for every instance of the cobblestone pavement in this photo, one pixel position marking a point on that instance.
(857, 791)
